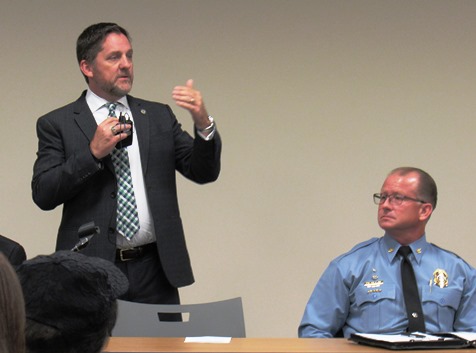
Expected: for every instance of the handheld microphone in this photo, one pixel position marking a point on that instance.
(85, 233)
(125, 119)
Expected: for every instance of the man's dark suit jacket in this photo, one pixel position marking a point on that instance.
(65, 172)
(14, 252)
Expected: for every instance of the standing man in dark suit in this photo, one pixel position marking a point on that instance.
(74, 167)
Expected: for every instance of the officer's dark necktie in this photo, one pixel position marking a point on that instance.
(127, 220)
(416, 321)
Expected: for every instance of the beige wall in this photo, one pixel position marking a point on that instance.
(315, 100)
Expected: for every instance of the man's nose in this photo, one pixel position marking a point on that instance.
(125, 62)
(386, 203)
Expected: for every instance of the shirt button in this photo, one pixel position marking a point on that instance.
(415, 315)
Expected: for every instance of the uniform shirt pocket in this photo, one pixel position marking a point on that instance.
(444, 297)
(441, 304)
(373, 305)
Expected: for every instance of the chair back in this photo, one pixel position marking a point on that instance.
(221, 318)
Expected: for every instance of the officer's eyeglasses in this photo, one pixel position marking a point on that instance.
(393, 199)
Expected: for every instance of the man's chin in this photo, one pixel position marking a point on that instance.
(385, 224)
(122, 90)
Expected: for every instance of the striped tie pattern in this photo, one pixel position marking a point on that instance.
(127, 221)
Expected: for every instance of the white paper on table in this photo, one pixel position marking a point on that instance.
(208, 339)
(417, 336)
(469, 336)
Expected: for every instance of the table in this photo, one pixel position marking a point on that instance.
(249, 345)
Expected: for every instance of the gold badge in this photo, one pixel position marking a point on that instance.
(440, 277)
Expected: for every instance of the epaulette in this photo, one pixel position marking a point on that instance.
(451, 252)
(364, 244)
(359, 246)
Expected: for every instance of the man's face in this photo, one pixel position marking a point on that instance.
(407, 218)
(111, 73)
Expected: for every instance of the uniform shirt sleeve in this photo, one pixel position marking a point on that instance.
(327, 308)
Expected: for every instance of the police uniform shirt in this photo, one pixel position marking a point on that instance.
(361, 291)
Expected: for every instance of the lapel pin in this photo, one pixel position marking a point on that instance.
(143, 111)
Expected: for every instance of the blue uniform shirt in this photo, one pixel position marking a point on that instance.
(361, 291)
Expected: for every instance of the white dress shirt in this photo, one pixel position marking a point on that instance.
(146, 233)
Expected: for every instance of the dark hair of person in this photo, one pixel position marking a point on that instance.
(12, 310)
(90, 41)
(427, 190)
(42, 338)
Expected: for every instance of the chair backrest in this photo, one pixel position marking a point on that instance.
(222, 318)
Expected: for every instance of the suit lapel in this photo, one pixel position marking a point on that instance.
(141, 127)
(87, 124)
(84, 118)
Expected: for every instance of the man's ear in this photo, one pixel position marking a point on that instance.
(86, 68)
(426, 210)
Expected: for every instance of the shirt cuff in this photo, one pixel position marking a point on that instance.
(208, 133)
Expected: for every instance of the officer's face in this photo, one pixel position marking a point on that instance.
(406, 217)
(111, 73)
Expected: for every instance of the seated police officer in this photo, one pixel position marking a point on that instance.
(363, 289)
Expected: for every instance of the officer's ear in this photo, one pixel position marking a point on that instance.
(426, 209)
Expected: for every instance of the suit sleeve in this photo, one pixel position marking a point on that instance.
(64, 163)
(196, 159)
